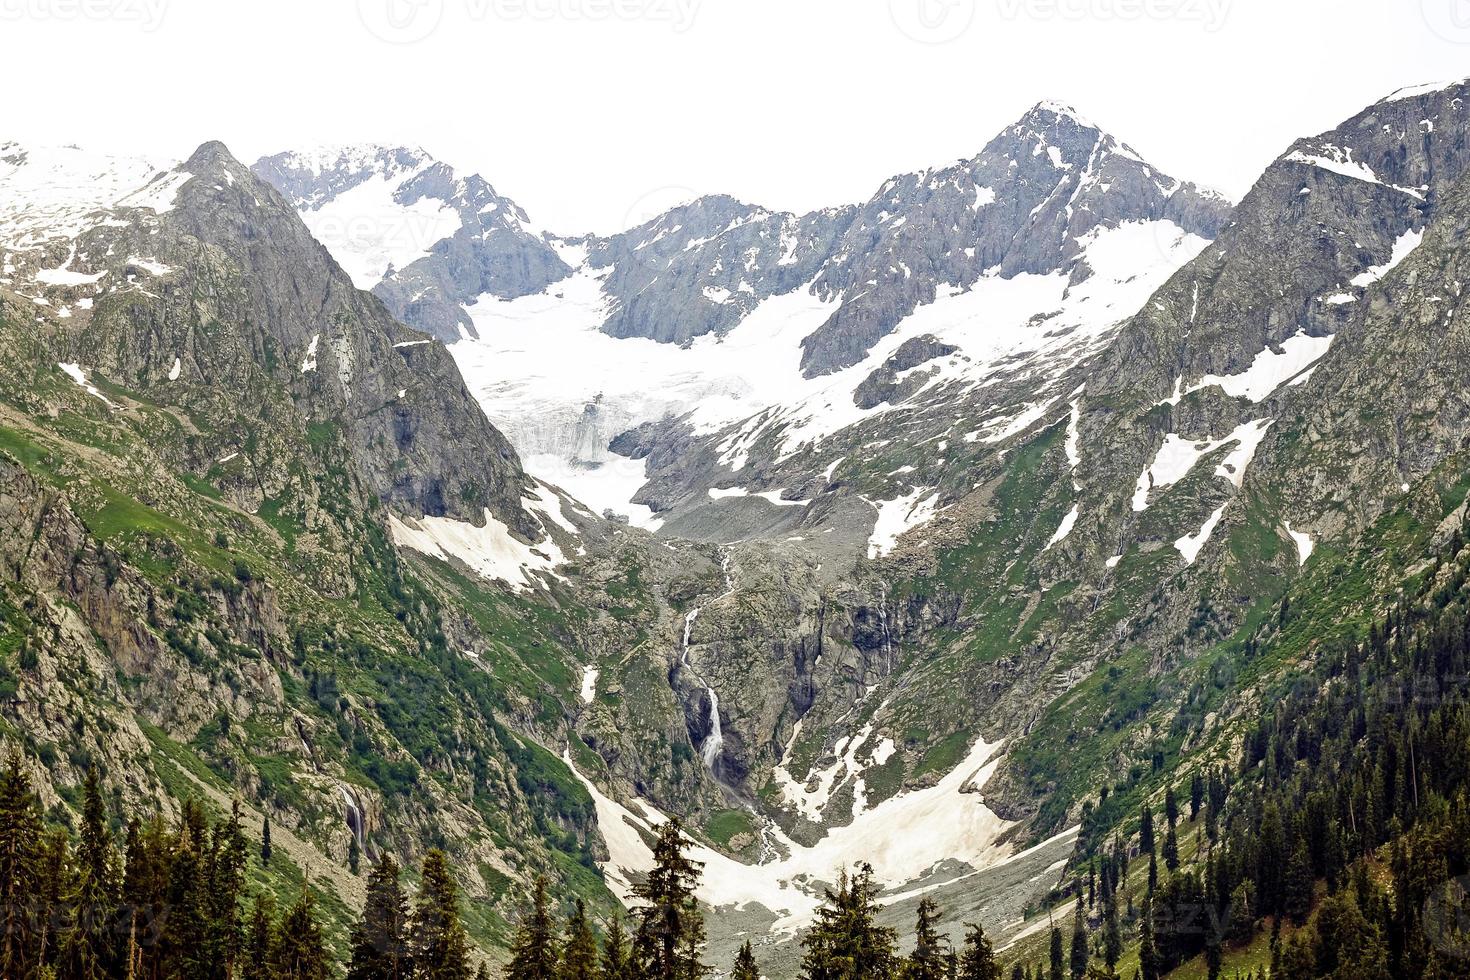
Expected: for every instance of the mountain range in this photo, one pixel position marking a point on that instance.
(911, 531)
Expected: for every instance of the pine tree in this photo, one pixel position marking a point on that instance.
(379, 942)
(265, 842)
(49, 900)
(1171, 807)
(579, 948)
(258, 951)
(1171, 851)
(1297, 887)
(616, 962)
(670, 925)
(1058, 968)
(186, 924)
(846, 940)
(1148, 951)
(1079, 946)
(299, 953)
(438, 944)
(1196, 795)
(87, 942)
(225, 887)
(927, 960)
(20, 868)
(977, 957)
(1146, 830)
(745, 966)
(1112, 934)
(146, 877)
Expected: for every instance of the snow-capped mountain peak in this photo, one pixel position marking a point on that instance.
(787, 328)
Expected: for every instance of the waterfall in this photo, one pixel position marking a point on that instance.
(889, 648)
(714, 742)
(354, 815)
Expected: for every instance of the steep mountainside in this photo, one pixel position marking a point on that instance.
(208, 440)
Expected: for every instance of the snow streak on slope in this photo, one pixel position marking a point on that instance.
(903, 838)
(491, 551)
(1269, 370)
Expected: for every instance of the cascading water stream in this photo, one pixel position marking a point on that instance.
(714, 742)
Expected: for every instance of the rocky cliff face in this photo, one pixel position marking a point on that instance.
(704, 267)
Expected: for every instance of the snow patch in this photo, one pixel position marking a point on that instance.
(1189, 546)
(490, 551)
(898, 516)
(308, 363)
(1177, 456)
(1304, 544)
(1269, 370)
(902, 838)
(1061, 533)
(1403, 246)
(79, 376)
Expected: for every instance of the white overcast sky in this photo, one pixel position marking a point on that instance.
(591, 113)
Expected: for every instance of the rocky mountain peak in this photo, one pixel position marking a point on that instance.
(426, 239)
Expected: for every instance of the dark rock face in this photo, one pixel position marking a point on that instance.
(884, 385)
(703, 267)
(1330, 208)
